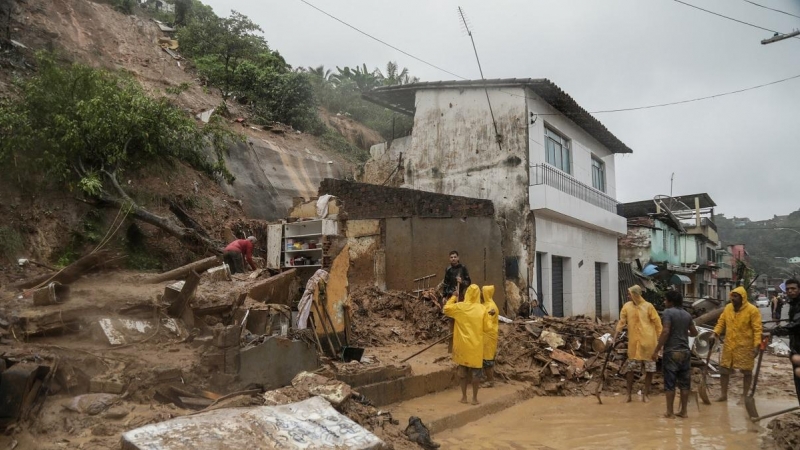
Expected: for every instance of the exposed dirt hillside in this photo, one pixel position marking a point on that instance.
(270, 168)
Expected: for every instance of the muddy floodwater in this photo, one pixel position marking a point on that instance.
(582, 423)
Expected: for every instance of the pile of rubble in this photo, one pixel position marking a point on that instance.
(396, 317)
(786, 431)
(559, 356)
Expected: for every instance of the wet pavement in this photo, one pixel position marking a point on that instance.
(582, 423)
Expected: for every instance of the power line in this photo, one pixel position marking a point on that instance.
(382, 42)
(727, 17)
(772, 9)
(708, 97)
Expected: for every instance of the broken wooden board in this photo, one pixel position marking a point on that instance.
(569, 360)
(280, 289)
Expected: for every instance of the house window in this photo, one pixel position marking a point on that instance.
(598, 175)
(557, 148)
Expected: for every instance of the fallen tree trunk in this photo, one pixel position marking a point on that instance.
(184, 271)
(709, 317)
(69, 274)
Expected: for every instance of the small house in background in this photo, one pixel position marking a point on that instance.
(677, 236)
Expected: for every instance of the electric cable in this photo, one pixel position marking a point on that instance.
(772, 9)
(728, 17)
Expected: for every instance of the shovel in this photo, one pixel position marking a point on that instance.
(602, 381)
(703, 391)
(776, 413)
(750, 401)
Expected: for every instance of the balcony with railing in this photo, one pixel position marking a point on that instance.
(555, 193)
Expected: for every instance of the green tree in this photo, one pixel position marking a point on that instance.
(81, 127)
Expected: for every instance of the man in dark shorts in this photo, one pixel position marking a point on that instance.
(792, 329)
(674, 339)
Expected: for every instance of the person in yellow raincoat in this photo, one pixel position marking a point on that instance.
(644, 327)
(490, 335)
(741, 323)
(470, 324)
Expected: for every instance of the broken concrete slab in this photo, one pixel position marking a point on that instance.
(552, 339)
(312, 423)
(125, 331)
(219, 273)
(275, 362)
(111, 385)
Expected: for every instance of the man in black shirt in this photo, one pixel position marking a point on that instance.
(792, 329)
(674, 339)
(454, 276)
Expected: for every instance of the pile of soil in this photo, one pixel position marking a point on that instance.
(786, 431)
(384, 318)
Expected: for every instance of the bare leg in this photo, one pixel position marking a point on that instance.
(724, 379)
(684, 403)
(648, 381)
(463, 390)
(489, 376)
(670, 401)
(475, 385)
(629, 379)
(748, 380)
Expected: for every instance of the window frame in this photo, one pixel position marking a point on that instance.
(565, 144)
(600, 165)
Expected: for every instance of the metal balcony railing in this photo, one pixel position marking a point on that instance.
(550, 176)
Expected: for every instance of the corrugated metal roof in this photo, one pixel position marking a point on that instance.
(402, 98)
(646, 207)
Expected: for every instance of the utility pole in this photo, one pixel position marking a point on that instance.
(780, 37)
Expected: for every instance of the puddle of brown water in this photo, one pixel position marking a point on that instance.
(575, 423)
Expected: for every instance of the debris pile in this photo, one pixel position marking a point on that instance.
(559, 356)
(392, 317)
(786, 431)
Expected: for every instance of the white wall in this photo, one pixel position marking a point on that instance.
(583, 145)
(555, 238)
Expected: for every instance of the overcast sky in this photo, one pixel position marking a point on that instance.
(743, 149)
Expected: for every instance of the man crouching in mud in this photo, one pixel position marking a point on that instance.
(674, 339)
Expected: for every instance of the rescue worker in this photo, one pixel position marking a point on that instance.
(644, 328)
(490, 335)
(792, 329)
(456, 277)
(741, 323)
(470, 324)
(238, 251)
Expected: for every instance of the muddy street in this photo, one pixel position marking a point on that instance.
(581, 423)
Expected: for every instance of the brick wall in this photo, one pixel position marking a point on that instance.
(370, 201)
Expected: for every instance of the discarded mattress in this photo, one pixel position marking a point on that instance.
(310, 424)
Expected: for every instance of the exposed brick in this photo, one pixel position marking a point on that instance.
(369, 201)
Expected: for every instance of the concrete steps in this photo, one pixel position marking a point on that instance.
(442, 411)
(408, 387)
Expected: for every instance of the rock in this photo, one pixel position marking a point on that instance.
(552, 388)
(116, 413)
(91, 404)
(334, 391)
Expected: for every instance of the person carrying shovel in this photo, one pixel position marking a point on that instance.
(644, 327)
(741, 323)
(677, 361)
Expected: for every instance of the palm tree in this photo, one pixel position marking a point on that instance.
(320, 72)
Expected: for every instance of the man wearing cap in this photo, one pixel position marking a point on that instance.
(238, 251)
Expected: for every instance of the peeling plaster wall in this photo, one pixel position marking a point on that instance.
(635, 245)
(453, 151)
(383, 160)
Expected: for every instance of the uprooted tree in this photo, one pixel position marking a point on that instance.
(84, 127)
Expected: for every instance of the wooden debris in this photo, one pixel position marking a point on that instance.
(183, 271)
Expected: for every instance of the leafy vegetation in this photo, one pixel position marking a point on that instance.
(10, 243)
(78, 125)
(769, 248)
(341, 92)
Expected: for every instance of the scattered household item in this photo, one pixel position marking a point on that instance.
(52, 294)
(703, 390)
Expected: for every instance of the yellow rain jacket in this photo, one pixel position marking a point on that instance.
(492, 321)
(469, 327)
(644, 326)
(742, 333)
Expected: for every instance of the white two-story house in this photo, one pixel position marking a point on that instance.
(547, 165)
